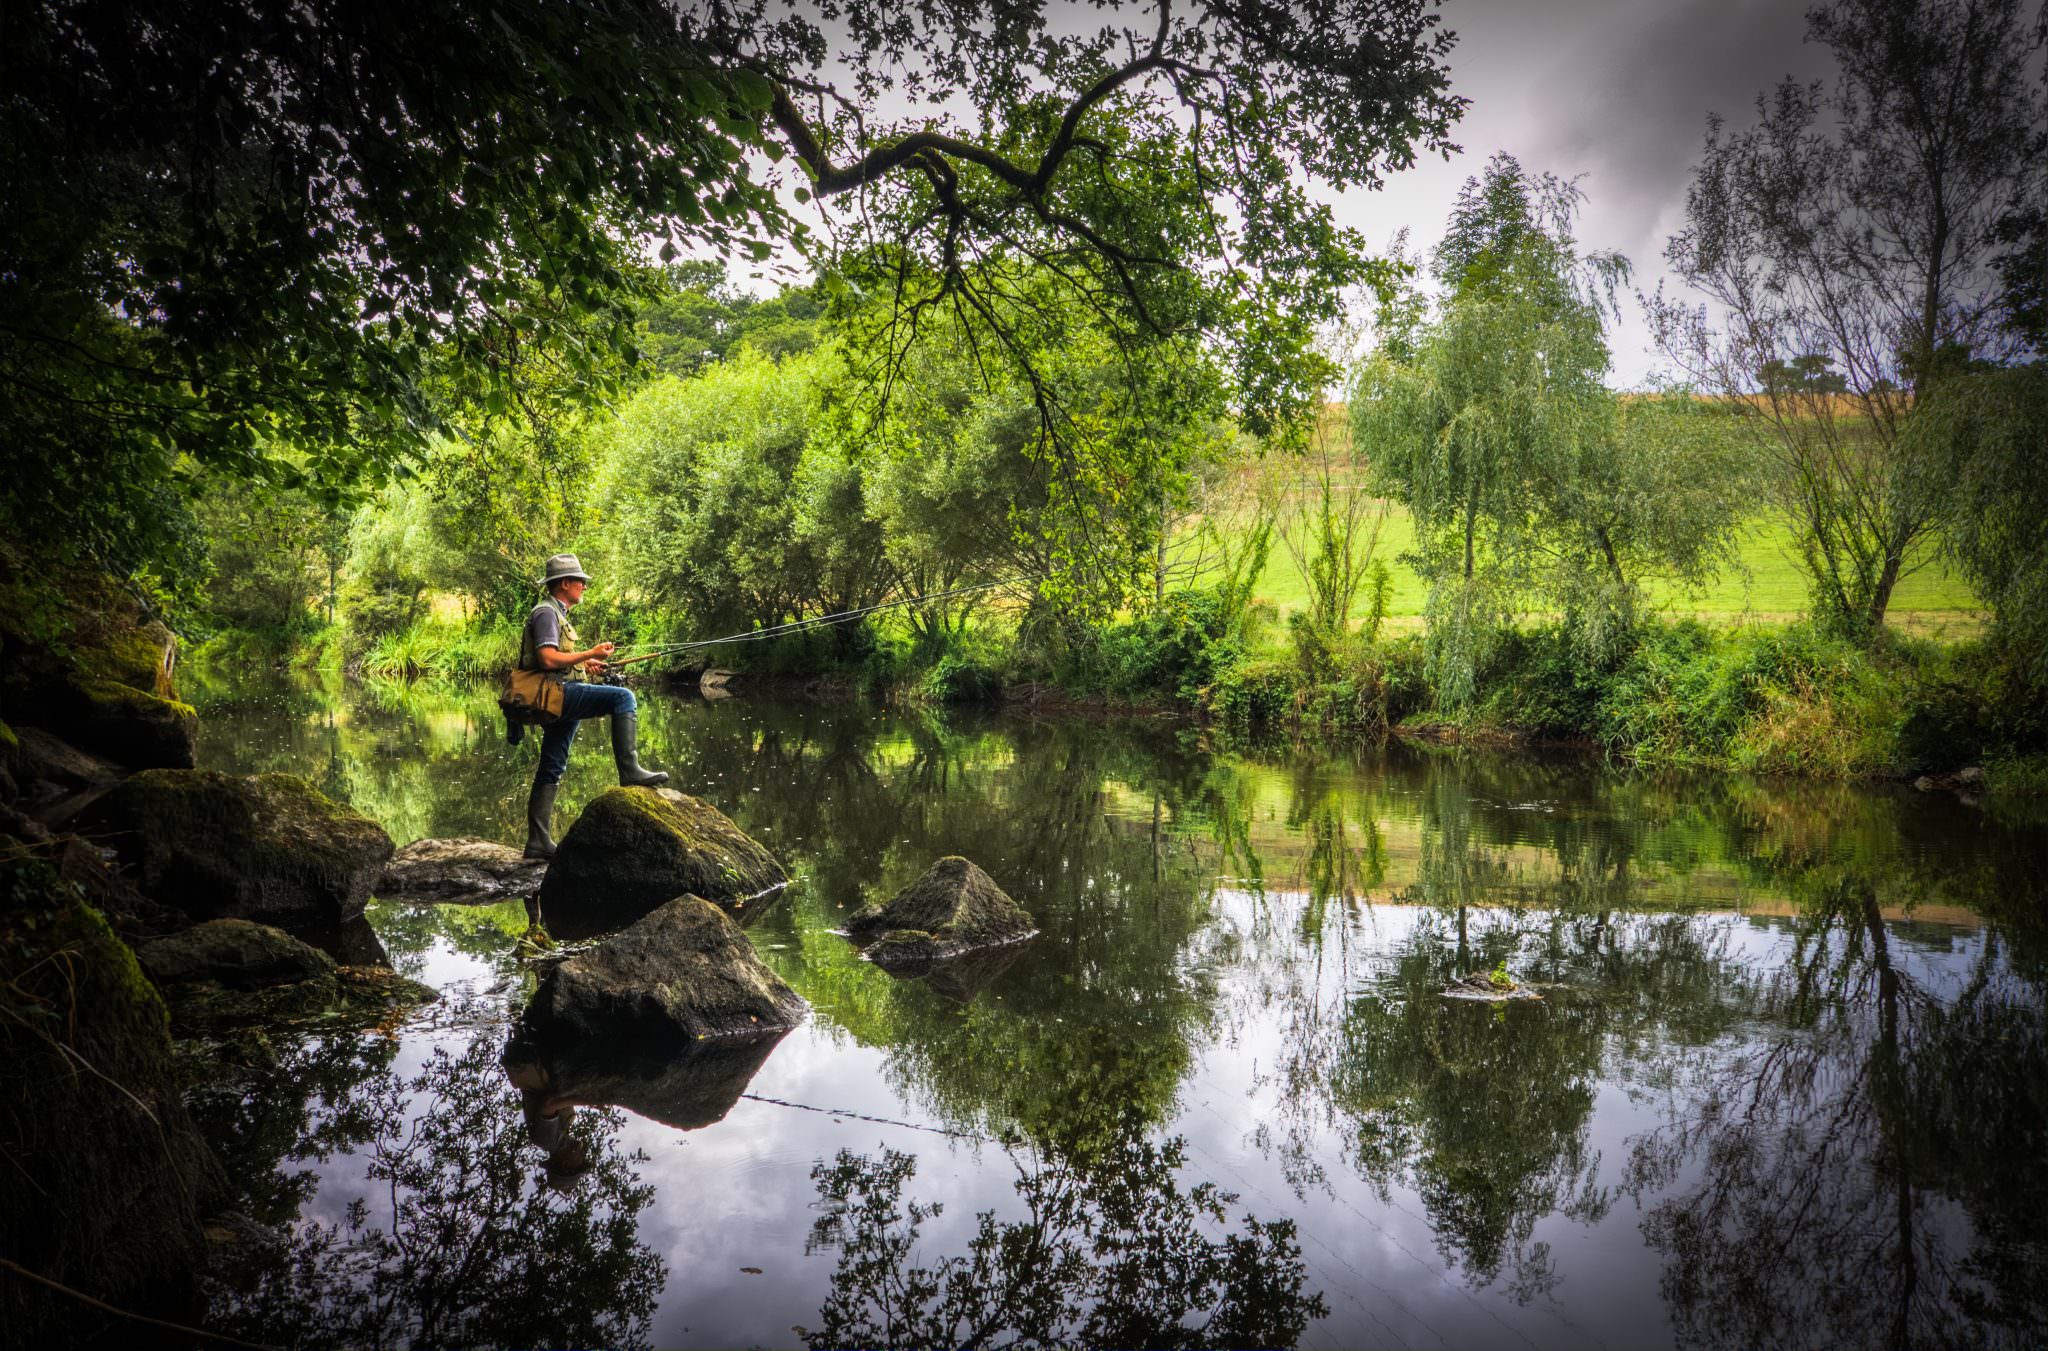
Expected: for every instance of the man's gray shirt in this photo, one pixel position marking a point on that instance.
(543, 629)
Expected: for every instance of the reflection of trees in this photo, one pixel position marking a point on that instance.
(1095, 1019)
(300, 1103)
(1482, 1109)
(1872, 1170)
(1113, 1253)
(474, 1250)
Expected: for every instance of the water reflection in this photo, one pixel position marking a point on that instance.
(1114, 1253)
(1787, 1085)
(463, 1234)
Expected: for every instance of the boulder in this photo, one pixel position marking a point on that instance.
(86, 659)
(686, 1087)
(228, 972)
(268, 848)
(140, 729)
(634, 849)
(236, 953)
(106, 1176)
(954, 908)
(39, 754)
(683, 973)
(461, 871)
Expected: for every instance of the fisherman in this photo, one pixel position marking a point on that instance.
(548, 644)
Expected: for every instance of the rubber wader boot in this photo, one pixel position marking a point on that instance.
(625, 750)
(540, 820)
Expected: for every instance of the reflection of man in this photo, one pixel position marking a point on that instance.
(548, 1122)
(549, 644)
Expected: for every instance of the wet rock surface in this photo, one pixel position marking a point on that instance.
(634, 849)
(681, 974)
(954, 908)
(464, 871)
(268, 848)
(1483, 986)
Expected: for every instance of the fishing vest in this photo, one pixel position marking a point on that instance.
(529, 644)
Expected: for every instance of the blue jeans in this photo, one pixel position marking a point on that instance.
(579, 701)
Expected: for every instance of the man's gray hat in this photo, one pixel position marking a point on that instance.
(563, 567)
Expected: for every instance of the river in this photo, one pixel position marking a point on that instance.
(1787, 1084)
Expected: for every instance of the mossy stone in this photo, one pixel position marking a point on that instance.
(634, 849)
(684, 973)
(107, 1176)
(269, 848)
(955, 907)
(139, 729)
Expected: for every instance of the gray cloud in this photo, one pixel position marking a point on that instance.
(1630, 108)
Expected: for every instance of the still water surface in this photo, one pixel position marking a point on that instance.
(1787, 1086)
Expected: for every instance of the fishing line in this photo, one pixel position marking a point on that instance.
(819, 621)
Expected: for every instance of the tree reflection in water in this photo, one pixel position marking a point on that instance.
(467, 1244)
(1114, 1253)
(1870, 1172)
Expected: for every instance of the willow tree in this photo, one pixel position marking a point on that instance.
(228, 227)
(1464, 418)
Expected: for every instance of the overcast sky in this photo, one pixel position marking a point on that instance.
(1616, 90)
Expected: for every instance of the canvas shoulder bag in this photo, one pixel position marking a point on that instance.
(531, 696)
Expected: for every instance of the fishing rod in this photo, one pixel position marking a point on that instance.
(799, 625)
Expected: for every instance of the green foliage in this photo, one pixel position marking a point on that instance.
(193, 279)
(1173, 650)
(1976, 447)
(276, 557)
(737, 496)
(1525, 477)
(696, 316)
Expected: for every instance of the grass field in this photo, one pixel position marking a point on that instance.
(1767, 588)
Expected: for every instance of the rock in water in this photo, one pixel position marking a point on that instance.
(268, 848)
(231, 971)
(683, 973)
(954, 908)
(463, 871)
(634, 849)
(236, 953)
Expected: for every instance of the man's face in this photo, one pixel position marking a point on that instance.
(571, 590)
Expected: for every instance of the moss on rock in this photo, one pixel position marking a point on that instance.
(954, 908)
(632, 850)
(139, 729)
(270, 848)
(108, 1176)
(684, 973)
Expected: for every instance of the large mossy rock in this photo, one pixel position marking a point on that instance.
(954, 908)
(106, 1178)
(463, 871)
(634, 849)
(84, 659)
(232, 972)
(684, 973)
(269, 848)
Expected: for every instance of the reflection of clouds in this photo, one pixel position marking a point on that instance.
(740, 1193)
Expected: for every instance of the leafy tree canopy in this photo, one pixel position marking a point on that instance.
(230, 227)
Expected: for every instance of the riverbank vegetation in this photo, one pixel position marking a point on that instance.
(1110, 448)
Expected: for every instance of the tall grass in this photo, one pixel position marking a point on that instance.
(442, 649)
